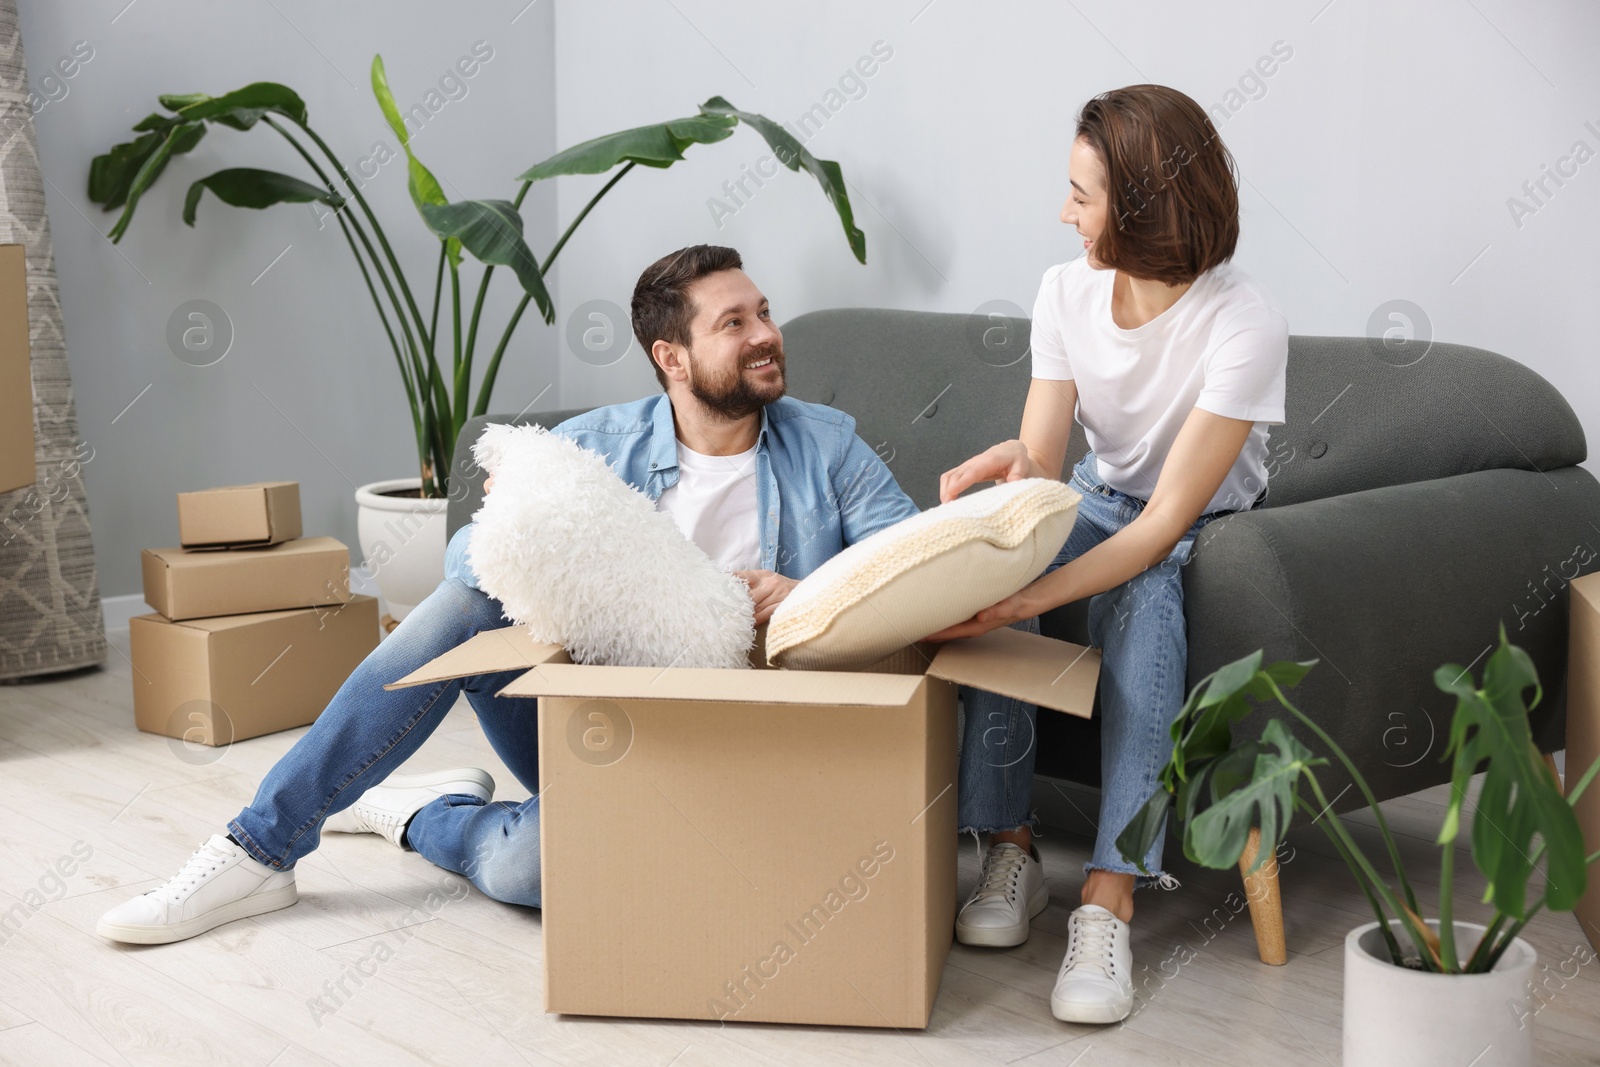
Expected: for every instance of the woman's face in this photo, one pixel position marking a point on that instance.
(1085, 209)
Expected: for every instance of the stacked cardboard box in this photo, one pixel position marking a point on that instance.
(255, 627)
(1583, 733)
(16, 373)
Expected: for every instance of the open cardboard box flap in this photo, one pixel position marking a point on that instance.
(492, 651)
(832, 688)
(1014, 663)
(1041, 670)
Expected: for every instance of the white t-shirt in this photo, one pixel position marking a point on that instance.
(1222, 347)
(714, 504)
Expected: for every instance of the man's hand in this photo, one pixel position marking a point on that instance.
(767, 590)
(1005, 462)
(1012, 609)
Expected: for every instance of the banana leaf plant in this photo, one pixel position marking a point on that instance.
(1219, 788)
(436, 371)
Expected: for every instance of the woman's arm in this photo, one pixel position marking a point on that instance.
(1039, 452)
(1201, 456)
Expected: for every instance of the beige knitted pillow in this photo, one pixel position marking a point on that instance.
(918, 576)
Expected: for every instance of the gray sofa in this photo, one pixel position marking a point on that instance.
(1410, 511)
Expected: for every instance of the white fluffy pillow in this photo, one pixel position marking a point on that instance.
(584, 560)
(922, 574)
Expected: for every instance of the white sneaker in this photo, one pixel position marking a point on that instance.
(219, 884)
(1096, 980)
(387, 807)
(1010, 891)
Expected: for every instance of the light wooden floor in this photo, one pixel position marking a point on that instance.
(463, 985)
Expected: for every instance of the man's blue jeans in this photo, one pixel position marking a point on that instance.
(1139, 628)
(366, 732)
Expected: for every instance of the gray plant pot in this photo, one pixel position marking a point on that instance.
(1394, 1015)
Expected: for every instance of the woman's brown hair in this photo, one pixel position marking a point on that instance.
(1172, 210)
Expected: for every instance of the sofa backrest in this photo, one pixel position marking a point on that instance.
(928, 390)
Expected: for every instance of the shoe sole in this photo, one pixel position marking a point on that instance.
(1004, 936)
(244, 908)
(1089, 1013)
(430, 779)
(423, 780)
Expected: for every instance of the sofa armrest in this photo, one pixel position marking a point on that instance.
(466, 477)
(1384, 586)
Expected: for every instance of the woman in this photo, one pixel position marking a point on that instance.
(1174, 362)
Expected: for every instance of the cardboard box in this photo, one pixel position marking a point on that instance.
(16, 373)
(1583, 733)
(242, 516)
(303, 573)
(758, 846)
(219, 680)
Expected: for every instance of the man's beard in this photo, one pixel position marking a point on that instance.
(735, 396)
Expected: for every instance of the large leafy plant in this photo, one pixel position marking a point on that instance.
(491, 231)
(1220, 788)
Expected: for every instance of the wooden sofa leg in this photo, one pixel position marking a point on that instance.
(1266, 906)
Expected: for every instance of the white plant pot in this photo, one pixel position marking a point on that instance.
(1395, 1015)
(402, 542)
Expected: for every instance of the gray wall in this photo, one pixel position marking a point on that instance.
(309, 389)
(1378, 161)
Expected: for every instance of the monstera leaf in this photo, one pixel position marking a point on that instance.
(1202, 735)
(1520, 799)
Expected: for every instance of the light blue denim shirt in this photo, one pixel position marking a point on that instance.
(819, 487)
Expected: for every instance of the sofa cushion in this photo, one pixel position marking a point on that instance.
(921, 575)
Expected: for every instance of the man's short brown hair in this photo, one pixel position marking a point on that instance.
(662, 310)
(1172, 209)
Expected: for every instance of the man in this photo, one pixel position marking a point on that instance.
(769, 486)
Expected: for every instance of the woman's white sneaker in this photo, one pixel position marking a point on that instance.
(1095, 984)
(387, 807)
(1011, 890)
(219, 884)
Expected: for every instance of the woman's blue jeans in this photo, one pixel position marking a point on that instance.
(1139, 628)
(366, 732)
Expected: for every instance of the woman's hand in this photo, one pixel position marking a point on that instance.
(767, 590)
(1014, 608)
(1005, 462)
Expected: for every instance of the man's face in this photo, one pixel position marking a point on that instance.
(735, 357)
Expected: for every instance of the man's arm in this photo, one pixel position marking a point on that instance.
(869, 497)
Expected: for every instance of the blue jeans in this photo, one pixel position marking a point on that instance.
(1139, 628)
(366, 732)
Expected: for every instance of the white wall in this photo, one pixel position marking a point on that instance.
(309, 390)
(1376, 161)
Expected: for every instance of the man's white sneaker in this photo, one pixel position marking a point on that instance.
(1011, 890)
(219, 884)
(386, 808)
(1096, 980)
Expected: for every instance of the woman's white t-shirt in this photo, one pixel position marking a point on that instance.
(1222, 347)
(714, 503)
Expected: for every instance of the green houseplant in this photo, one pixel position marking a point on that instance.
(1219, 788)
(436, 363)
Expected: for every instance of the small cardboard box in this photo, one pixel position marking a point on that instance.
(243, 516)
(16, 373)
(760, 846)
(1583, 733)
(218, 680)
(303, 573)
